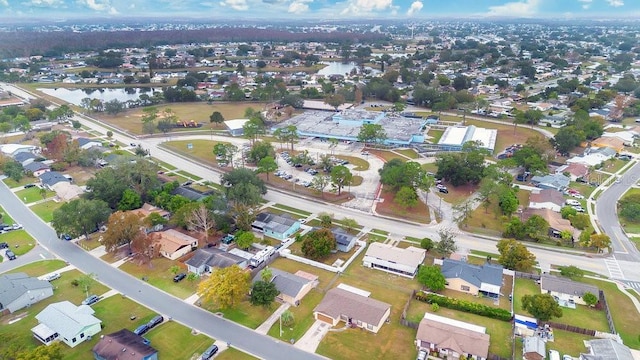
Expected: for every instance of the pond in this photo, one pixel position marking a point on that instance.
(75, 96)
(336, 68)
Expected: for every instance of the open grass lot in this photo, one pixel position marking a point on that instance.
(175, 341)
(359, 164)
(45, 210)
(202, 149)
(324, 276)
(24, 181)
(5, 218)
(244, 313)
(291, 209)
(491, 221)
(158, 274)
(457, 194)
(500, 331)
(430, 167)
(506, 136)
(30, 195)
(197, 111)
(410, 153)
(20, 331)
(303, 318)
(393, 341)
(41, 267)
(631, 227)
(625, 316)
(388, 207)
(435, 135)
(386, 155)
(523, 287)
(81, 174)
(19, 241)
(566, 342)
(234, 354)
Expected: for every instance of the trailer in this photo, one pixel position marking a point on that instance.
(261, 256)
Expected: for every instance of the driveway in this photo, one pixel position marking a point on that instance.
(311, 339)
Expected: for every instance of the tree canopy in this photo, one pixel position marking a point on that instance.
(225, 287)
(431, 277)
(515, 256)
(463, 167)
(543, 307)
(243, 186)
(80, 217)
(318, 244)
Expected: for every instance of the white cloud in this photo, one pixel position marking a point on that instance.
(239, 5)
(358, 7)
(113, 11)
(526, 8)
(4, 3)
(415, 7)
(586, 4)
(298, 7)
(96, 5)
(42, 3)
(616, 3)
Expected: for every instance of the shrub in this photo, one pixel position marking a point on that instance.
(466, 306)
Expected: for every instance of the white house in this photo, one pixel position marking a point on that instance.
(18, 291)
(66, 322)
(547, 199)
(566, 292)
(385, 257)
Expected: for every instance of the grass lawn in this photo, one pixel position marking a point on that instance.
(175, 341)
(430, 167)
(584, 189)
(393, 341)
(158, 274)
(24, 181)
(625, 316)
(566, 342)
(20, 331)
(386, 155)
(435, 135)
(614, 166)
(45, 209)
(234, 354)
(303, 318)
(291, 209)
(410, 153)
(359, 163)
(375, 237)
(277, 211)
(491, 221)
(30, 195)
(244, 313)
(457, 194)
(19, 241)
(91, 243)
(631, 227)
(41, 267)
(388, 207)
(190, 176)
(202, 149)
(523, 287)
(500, 331)
(5, 218)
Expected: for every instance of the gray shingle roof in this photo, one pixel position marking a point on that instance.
(35, 166)
(67, 319)
(339, 302)
(25, 155)
(214, 258)
(474, 274)
(342, 238)
(287, 283)
(607, 349)
(566, 286)
(12, 286)
(52, 177)
(275, 223)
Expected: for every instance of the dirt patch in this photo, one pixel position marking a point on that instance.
(388, 207)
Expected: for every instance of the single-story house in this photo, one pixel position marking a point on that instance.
(86, 143)
(557, 182)
(566, 291)
(50, 178)
(66, 191)
(204, 260)
(344, 241)
(292, 287)
(189, 193)
(343, 305)
(591, 159)
(476, 280)
(18, 291)
(236, 126)
(25, 157)
(36, 168)
(148, 209)
(610, 142)
(556, 223)
(547, 199)
(452, 338)
(67, 322)
(124, 345)
(534, 348)
(12, 150)
(275, 226)
(575, 171)
(606, 349)
(174, 244)
(395, 260)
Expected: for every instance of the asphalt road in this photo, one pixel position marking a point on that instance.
(218, 328)
(607, 214)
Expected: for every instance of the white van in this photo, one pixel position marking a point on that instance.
(572, 202)
(554, 355)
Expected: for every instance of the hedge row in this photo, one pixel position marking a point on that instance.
(466, 306)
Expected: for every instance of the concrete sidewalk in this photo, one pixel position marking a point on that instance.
(267, 324)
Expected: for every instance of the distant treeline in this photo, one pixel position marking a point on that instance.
(18, 44)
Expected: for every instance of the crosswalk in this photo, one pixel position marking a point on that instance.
(633, 284)
(614, 268)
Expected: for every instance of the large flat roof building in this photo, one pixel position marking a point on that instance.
(455, 137)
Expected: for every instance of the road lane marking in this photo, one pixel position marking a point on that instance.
(615, 271)
(42, 256)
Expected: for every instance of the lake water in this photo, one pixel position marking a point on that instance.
(75, 96)
(336, 68)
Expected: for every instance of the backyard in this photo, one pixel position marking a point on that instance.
(45, 209)
(331, 259)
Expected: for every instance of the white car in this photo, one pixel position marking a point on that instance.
(52, 277)
(16, 226)
(578, 196)
(578, 208)
(572, 202)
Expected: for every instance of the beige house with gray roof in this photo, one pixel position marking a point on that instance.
(453, 338)
(565, 290)
(342, 305)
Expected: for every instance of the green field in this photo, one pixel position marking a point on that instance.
(33, 194)
(4, 217)
(45, 210)
(19, 241)
(159, 275)
(41, 267)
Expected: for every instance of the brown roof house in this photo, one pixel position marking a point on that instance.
(148, 209)
(452, 338)
(547, 199)
(353, 307)
(575, 170)
(556, 223)
(567, 293)
(173, 244)
(124, 345)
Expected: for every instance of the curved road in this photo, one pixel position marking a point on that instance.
(218, 328)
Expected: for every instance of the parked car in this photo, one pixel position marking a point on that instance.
(422, 355)
(179, 277)
(443, 190)
(578, 208)
(4, 245)
(29, 186)
(16, 226)
(66, 237)
(141, 329)
(10, 255)
(554, 355)
(52, 277)
(92, 299)
(572, 202)
(157, 320)
(208, 354)
(578, 196)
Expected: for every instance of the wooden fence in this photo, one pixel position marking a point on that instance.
(571, 328)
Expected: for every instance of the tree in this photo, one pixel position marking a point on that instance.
(326, 220)
(541, 306)
(508, 201)
(515, 256)
(267, 165)
(109, 134)
(260, 150)
(122, 228)
(447, 244)
(372, 133)
(201, 218)
(318, 244)
(13, 169)
(340, 177)
(76, 125)
(571, 272)
(263, 293)
(113, 107)
(426, 244)
(406, 197)
(431, 277)
(463, 167)
(42, 352)
(149, 116)
(350, 224)
(334, 100)
(287, 318)
(244, 239)
(266, 274)
(216, 117)
(600, 241)
(243, 186)
(320, 182)
(85, 282)
(590, 299)
(225, 287)
(130, 200)
(80, 217)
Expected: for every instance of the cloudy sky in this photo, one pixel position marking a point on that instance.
(324, 9)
